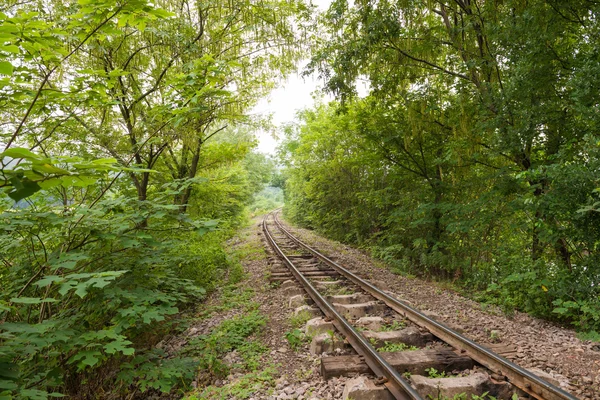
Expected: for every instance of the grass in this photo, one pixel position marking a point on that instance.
(246, 372)
(234, 334)
(434, 373)
(393, 347)
(393, 326)
(336, 290)
(250, 251)
(243, 387)
(300, 319)
(232, 296)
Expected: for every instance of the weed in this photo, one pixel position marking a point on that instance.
(243, 387)
(433, 373)
(230, 335)
(304, 374)
(295, 338)
(495, 336)
(394, 326)
(232, 296)
(463, 396)
(250, 251)
(393, 347)
(300, 319)
(275, 284)
(336, 290)
(332, 336)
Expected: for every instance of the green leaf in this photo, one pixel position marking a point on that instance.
(49, 169)
(6, 68)
(86, 358)
(32, 300)
(25, 189)
(49, 183)
(7, 385)
(47, 280)
(33, 394)
(19, 152)
(159, 12)
(11, 48)
(119, 345)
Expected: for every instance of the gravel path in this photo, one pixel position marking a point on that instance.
(555, 350)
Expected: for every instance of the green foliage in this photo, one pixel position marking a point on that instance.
(32, 173)
(230, 335)
(101, 255)
(295, 338)
(241, 388)
(85, 282)
(433, 373)
(154, 370)
(393, 347)
(393, 326)
(270, 198)
(584, 314)
(233, 296)
(592, 336)
(336, 290)
(474, 162)
(300, 319)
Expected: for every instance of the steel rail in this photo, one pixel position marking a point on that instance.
(394, 382)
(518, 376)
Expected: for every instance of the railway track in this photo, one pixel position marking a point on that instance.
(447, 350)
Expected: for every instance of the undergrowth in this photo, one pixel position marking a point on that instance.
(242, 387)
(231, 335)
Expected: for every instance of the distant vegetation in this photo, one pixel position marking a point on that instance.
(268, 199)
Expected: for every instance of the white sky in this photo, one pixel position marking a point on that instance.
(293, 95)
(283, 103)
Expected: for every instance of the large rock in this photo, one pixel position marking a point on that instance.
(546, 376)
(356, 311)
(297, 301)
(326, 343)
(289, 283)
(362, 388)
(410, 336)
(371, 323)
(350, 298)
(471, 385)
(318, 325)
(315, 312)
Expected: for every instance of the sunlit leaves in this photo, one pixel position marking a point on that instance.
(6, 68)
(27, 173)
